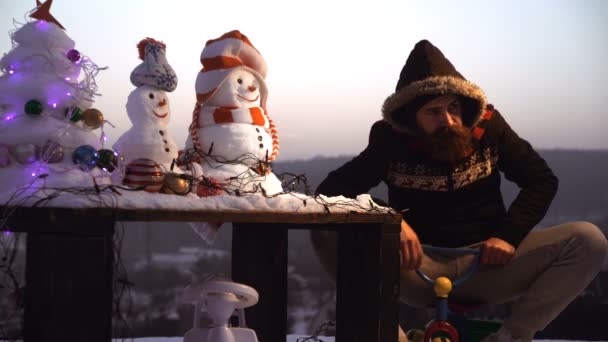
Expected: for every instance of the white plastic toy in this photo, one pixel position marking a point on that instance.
(220, 299)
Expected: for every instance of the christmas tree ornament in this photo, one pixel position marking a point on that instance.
(73, 55)
(24, 154)
(93, 118)
(5, 156)
(43, 12)
(52, 152)
(144, 173)
(74, 114)
(175, 184)
(33, 107)
(207, 187)
(108, 159)
(85, 157)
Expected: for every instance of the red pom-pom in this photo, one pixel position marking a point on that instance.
(141, 46)
(208, 187)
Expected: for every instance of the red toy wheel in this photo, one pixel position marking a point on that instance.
(440, 331)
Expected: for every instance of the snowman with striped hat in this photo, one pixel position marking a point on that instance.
(232, 136)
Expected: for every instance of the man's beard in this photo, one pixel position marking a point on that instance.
(448, 145)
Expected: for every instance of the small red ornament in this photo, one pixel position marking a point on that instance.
(144, 173)
(208, 187)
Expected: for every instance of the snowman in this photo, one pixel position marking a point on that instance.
(148, 109)
(231, 130)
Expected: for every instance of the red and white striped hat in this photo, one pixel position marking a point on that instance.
(224, 55)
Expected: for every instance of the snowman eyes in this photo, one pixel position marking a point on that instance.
(151, 96)
(239, 81)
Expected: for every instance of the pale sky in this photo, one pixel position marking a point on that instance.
(332, 63)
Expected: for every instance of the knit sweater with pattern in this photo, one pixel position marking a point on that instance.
(453, 205)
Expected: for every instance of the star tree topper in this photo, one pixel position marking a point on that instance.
(43, 12)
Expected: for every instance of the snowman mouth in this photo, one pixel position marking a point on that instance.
(160, 115)
(246, 99)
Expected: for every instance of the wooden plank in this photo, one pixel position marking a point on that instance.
(358, 284)
(389, 268)
(34, 219)
(259, 259)
(68, 294)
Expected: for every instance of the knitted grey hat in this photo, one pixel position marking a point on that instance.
(154, 71)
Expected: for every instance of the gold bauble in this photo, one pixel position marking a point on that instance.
(93, 118)
(175, 184)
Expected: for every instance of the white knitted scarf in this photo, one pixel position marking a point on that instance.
(208, 115)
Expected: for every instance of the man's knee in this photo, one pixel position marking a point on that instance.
(590, 240)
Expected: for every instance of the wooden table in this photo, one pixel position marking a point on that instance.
(70, 261)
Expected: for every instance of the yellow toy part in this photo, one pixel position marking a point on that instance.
(442, 287)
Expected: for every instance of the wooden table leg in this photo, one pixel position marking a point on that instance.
(367, 284)
(259, 259)
(68, 295)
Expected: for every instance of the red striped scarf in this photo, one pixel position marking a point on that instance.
(207, 115)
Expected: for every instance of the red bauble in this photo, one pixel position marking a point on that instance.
(208, 187)
(144, 173)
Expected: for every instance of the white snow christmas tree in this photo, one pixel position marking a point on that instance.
(46, 120)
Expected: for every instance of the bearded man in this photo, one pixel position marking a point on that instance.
(440, 149)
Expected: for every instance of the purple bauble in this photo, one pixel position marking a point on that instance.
(73, 55)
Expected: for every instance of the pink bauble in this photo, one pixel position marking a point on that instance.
(144, 173)
(24, 154)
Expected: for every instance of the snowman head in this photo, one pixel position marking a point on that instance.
(148, 105)
(224, 60)
(241, 89)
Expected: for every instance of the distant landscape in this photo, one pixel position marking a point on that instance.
(161, 259)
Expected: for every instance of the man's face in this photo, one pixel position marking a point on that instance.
(439, 114)
(446, 139)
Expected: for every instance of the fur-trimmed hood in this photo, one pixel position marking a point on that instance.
(426, 74)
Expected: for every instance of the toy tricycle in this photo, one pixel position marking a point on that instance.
(449, 323)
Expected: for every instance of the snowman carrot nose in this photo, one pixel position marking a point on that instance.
(252, 88)
(163, 102)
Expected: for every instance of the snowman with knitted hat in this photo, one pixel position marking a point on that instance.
(148, 109)
(232, 136)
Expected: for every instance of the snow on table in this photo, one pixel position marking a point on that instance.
(284, 203)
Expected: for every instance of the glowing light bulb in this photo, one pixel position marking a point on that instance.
(54, 105)
(11, 71)
(7, 233)
(68, 94)
(68, 79)
(9, 117)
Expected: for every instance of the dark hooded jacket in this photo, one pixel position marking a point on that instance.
(448, 205)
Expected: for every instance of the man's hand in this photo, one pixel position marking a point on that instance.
(411, 250)
(495, 251)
